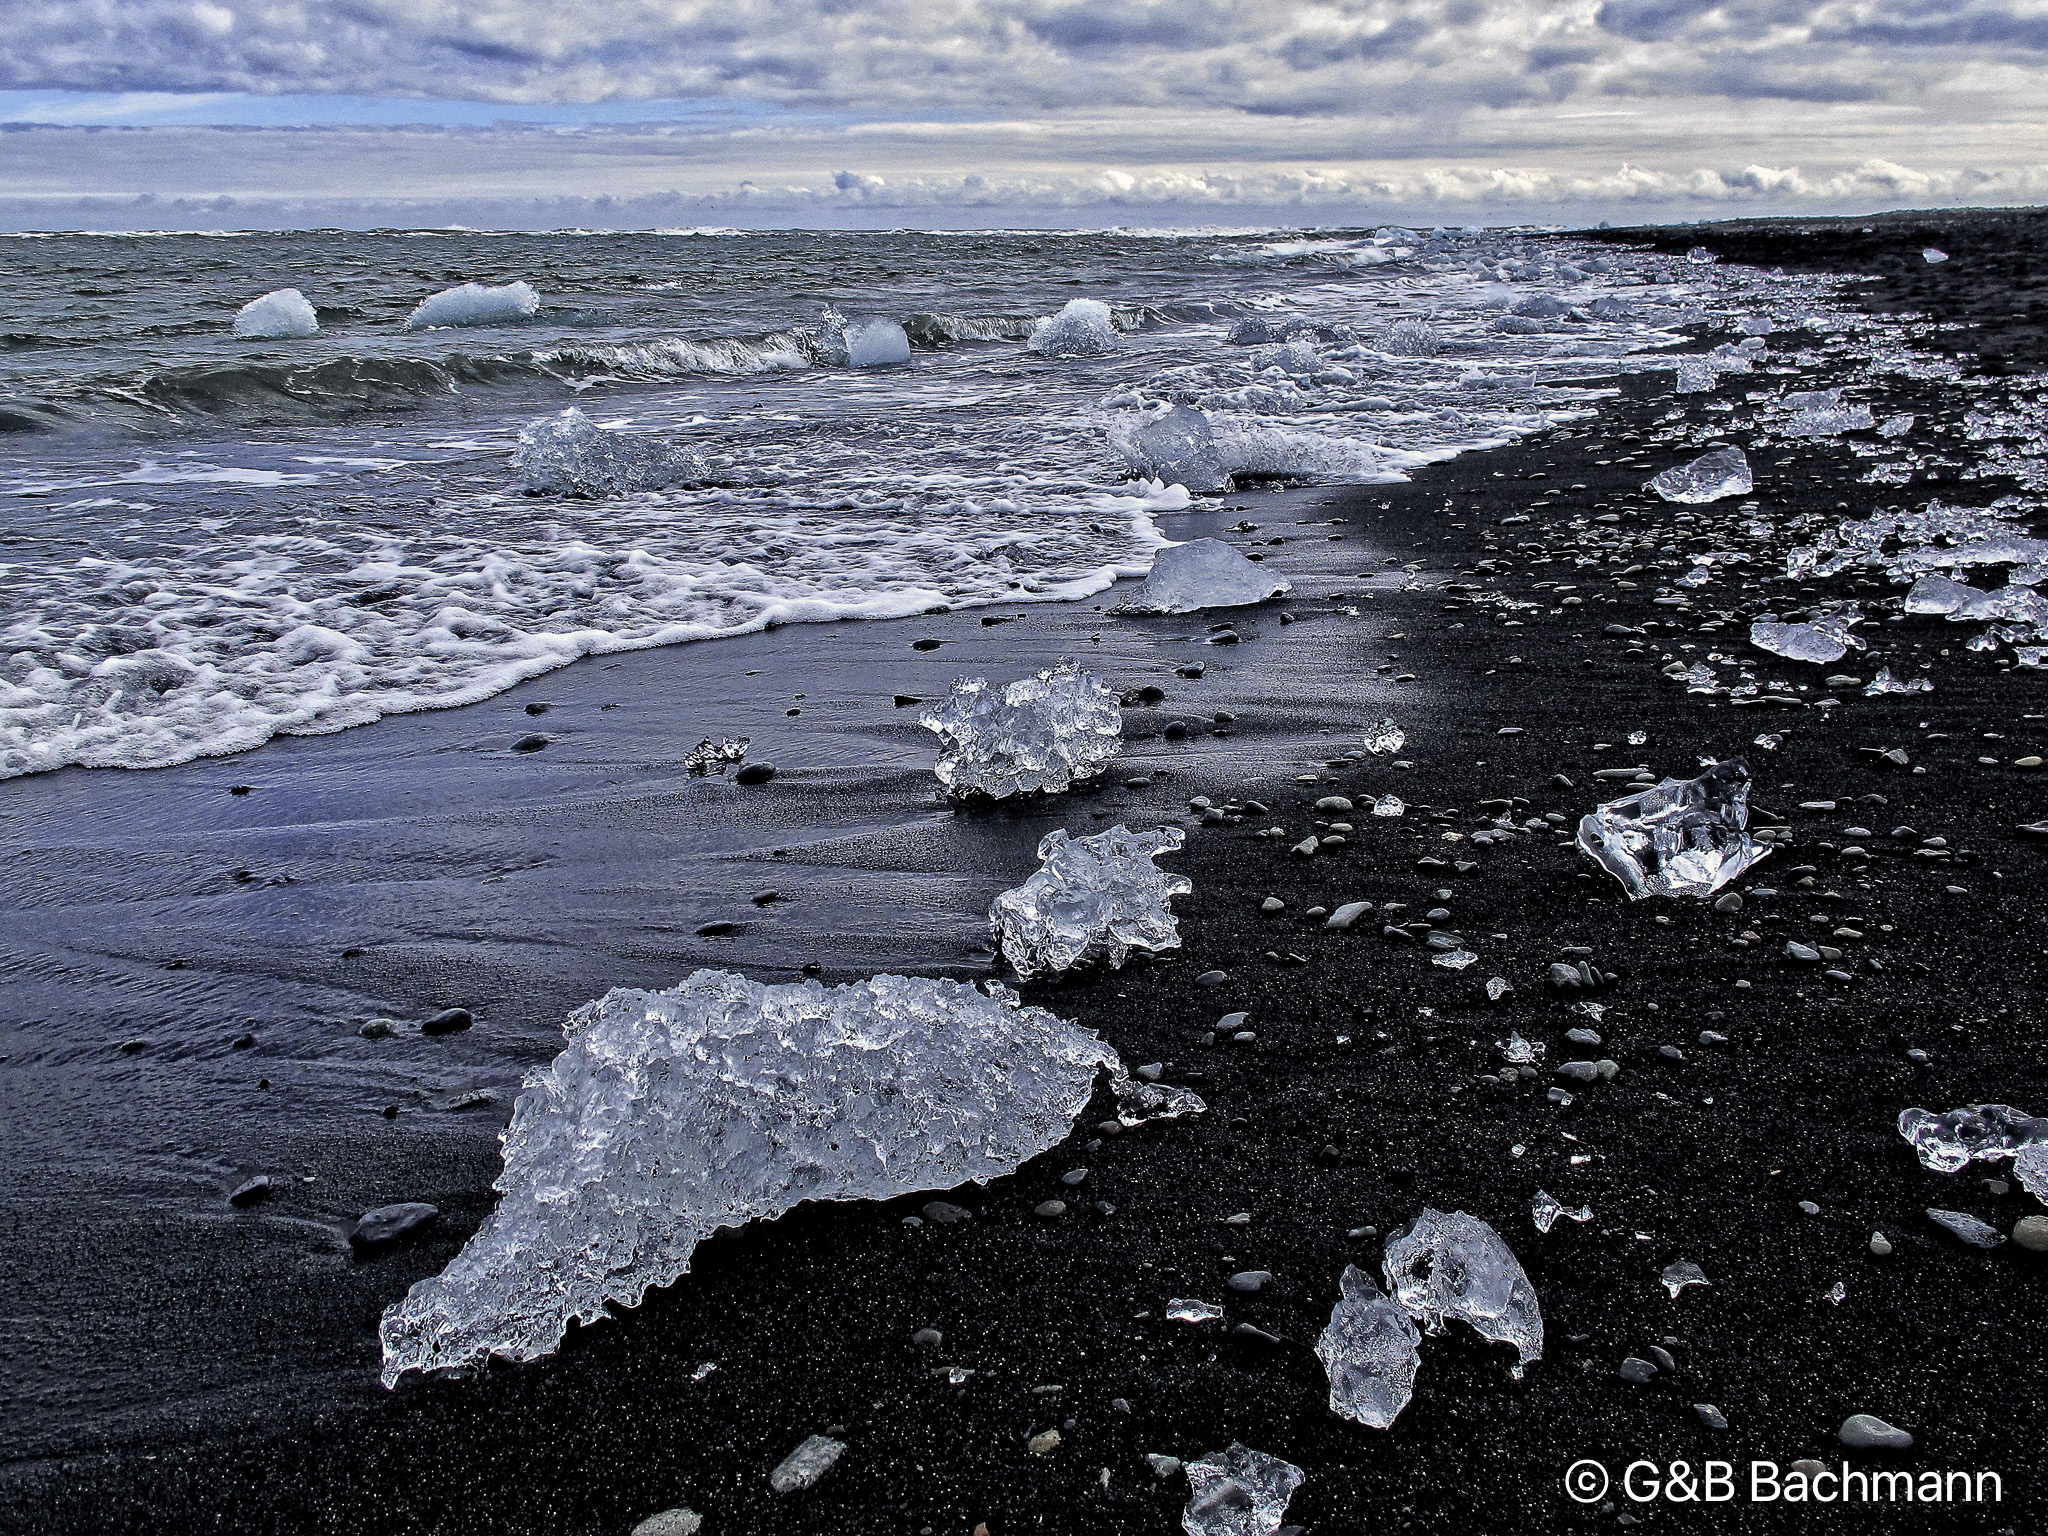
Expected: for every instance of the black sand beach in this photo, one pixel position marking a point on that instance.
(1371, 1090)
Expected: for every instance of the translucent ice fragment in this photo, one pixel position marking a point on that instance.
(1695, 374)
(1698, 678)
(1700, 256)
(875, 343)
(1724, 472)
(1389, 805)
(1545, 1209)
(1985, 1133)
(1932, 256)
(1498, 987)
(1895, 426)
(1938, 594)
(283, 313)
(806, 1464)
(1454, 959)
(1521, 1052)
(1685, 837)
(1043, 732)
(1381, 737)
(1410, 338)
(1084, 328)
(1138, 1101)
(1239, 1492)
(1097, 898)
(1821, 413)
(710, 756)
(1677, 1277)
(1178, 447)
(1370, 1351)
(1816, 642)
(571, 455)
(669, 1115)
(1885, 682)
(474, 304)
(1203, 573)
(1185, 1310)
(1978, 1234)
(1442, 1266)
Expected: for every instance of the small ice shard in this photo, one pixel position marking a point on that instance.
(1498, 987)
(875, 343)
(1983, 1133)
(1521, 1052)
(1885, 682)
(1837, 1293)
(571, 455)
(1695, 374)
(1545, 1209)
(1724, 472)
(1823, 640)
(806, 1464)
(1381, 737)
(1239, 1492)
(283, 313)
(1895, 426)
(1043, 732)
(1389, 805)
(1442, 1266)
(1453, 959)
(710, 756)
(1410, 338)
(1176, 446)
(1939, 594)
(1371, 1351)
(1701, 256)
(1084, 328)
(1932, 256)
(1203, 573)
(474, 304)
(1185, 1310)
(1698, 678)
(670, 1115)
(1821, 413)
(1683, 838)
(1677, 1277)
(1138, 1101)
(1097, 898)
(1978, 1234)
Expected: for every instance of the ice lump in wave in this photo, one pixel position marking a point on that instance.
(571, 455)
(1202, 573)
(1176, 446)
(1084, 328)
(474, 304)
(1097, 897)
(669, 1115)
(1043, 732)
(1685, 837)
(280, 314)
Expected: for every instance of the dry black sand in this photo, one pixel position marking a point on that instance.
(1707, 1158)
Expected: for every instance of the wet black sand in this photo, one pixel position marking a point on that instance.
(810, 1318)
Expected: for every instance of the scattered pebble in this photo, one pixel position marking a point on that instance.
(1867, 1432)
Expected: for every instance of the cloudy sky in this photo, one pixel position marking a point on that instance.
(522, 113)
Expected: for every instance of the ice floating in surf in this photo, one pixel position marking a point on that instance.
(571, 455)
(1203, 573)
(876, 344)
(669, 1115)
(1043, 732)
(1177, 447)
(1084, 328)
(1096, 898)
(474, 304)
(283, 313)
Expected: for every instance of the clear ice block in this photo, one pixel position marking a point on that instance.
(1685, 837)
(1455, 1266)
(1239, 1492)
(1043, 732)
(1976, 1133)
(1371, 1351)
(1203, 573)
(1097, 898)
(1724, 472)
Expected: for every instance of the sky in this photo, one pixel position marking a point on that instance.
(136, 114)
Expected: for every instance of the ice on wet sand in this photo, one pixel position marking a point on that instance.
(283, 313)
(1684, 837)
(1371, 1351)
(474, 304)
(571, 455)
(1724, 472)
(669, 1115)
(1443, 1266)
(1176, 446)
(1097, 897)
(1203, 573)
(1823, 639)
(1084, 328)
(1042, 732)
(1239, 1492)
(1985, 1133)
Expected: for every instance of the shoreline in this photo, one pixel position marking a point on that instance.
(1363, 1097)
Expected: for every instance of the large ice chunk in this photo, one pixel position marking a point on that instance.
(283, 313)
(474, 304)
(669, 1115)
(1822, 639)
(1939, 594)
(1371, 1352)
(1685, 837)
(1724, 472)
(1239, 1492)
(1456, 1266)
(1179, 447)
(1097, 898)
(1084, 328)
(875, 343)
(1976, 1133)
(571, 455)
(1202, 573)
(1042, 732)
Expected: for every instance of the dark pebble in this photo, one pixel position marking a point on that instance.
(755, 773)
(449, 1021)
(531, 743)
(388, 1223)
